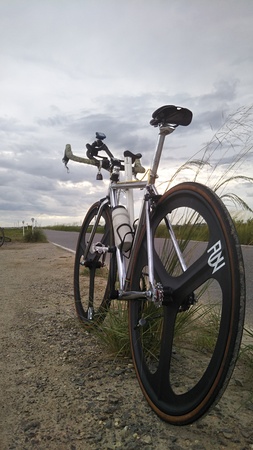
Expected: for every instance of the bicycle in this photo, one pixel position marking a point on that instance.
(186, 296)
(1, 236)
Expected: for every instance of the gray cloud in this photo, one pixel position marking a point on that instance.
(71, 70)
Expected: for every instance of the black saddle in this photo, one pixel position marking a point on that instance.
(173, 115)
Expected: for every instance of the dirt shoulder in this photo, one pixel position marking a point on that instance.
(59, 389)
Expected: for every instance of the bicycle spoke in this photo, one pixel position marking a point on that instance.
(161, 377)
(196, 275)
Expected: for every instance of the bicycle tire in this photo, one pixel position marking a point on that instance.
(184, 351)
(94, 278)
(2, 238)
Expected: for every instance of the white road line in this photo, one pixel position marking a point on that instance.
(64, 248)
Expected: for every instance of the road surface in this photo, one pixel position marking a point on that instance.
(68, 240)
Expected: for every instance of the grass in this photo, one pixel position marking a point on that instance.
(35, 235)
(199, 322)
(113, 332)
(246, 354)
(245, 231)
(225, 154)
(199, 326)
(16, 235)
(63, 227)
(197, 232)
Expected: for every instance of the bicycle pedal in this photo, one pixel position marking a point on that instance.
(99, 248)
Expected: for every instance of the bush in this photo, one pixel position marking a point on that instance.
(35, 235)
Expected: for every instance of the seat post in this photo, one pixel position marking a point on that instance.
(164, 131)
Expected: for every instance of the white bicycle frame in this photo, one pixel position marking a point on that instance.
(125, 266)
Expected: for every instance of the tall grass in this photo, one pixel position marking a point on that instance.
(113, 332)
(218, 164)
(245, 231)
(15, 234)
(34, 235)
(247, 348)
(30, 235)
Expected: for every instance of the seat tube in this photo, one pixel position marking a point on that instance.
(129, 192)
(149, 247)
(120, 259)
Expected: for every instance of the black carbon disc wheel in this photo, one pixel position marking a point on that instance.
(184, 351)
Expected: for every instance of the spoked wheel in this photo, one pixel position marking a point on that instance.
(184, 351)
(94, 273)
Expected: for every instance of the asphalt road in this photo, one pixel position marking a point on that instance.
(68, 240)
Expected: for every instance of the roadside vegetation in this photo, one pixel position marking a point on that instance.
(247, 348)
(63, 227)
(30, 235)
(34, 235)
(198, 233)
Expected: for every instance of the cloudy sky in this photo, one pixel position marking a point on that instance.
(71, 68)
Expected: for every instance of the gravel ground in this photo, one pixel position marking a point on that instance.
(61, 391)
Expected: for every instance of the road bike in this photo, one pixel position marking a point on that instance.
(1, 236)
(179, 268)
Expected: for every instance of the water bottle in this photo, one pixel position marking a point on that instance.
(122, 229)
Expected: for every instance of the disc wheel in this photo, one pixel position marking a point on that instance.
(94, 273)
(184, 350)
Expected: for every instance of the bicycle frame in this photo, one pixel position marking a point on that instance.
(1, 236)
(125, 265)
(143, 261)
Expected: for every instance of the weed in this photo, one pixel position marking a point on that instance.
(113, 332)
(247, 348)
(35, 235)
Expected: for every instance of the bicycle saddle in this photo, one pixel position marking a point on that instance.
(170, 114)
(132, 155)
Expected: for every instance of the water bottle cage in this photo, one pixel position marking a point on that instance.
(130, 232)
